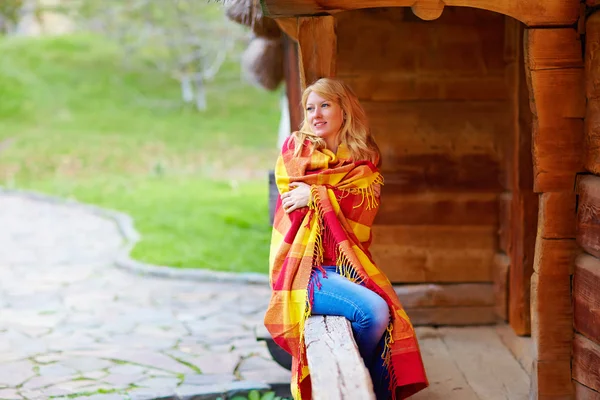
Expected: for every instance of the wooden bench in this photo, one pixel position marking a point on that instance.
(336, 367)
(337, 370)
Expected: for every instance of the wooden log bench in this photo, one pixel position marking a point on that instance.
(337, 370)
(336, 367)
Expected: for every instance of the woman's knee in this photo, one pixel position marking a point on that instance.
(377, 313)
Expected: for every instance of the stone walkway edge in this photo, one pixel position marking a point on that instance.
(130, 235)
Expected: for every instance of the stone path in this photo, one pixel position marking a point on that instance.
(73, 325)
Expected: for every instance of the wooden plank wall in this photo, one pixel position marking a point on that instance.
(554, 65)
(586, 276)
(438, 104)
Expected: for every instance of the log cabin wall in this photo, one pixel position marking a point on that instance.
(439, 103)
(586, 276)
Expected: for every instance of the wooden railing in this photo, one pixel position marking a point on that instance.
(336, 368)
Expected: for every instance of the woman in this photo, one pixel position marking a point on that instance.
(329, 188)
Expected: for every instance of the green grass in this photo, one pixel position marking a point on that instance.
(75, 123)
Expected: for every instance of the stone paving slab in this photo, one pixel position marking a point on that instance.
(73, 325)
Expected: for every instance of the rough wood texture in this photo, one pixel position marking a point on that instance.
(289, 26)
(557, 215)
(524, 203)
(447, 295)
(586, 362)
(551, 380)
(583, 392)
(504, 231)
(555, 257)
(440, 146)
(552, 322)
(437, 208)
(424, 253)
(592, 83)
(470, 364)
(293, 90)
(531, 12)
(317, 41)
(586, 296)
(466, 56)
(453, 316)
(554, 65)
(588, 214)
(448, 304)
(520, 346)
(336, 367)
(500, 274)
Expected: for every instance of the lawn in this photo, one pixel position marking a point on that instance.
(76, 123)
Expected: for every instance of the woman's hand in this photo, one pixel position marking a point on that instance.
(297, 197)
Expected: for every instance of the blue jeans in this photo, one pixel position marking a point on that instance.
(368, 314)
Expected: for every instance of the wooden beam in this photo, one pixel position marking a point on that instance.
(524, 203)
(293, 88)
(588, 214)
(317, 42)
(530, 12)
(551, 310)
(435, 253)
(554, 67)
(583, 392)
(552, 322)
(337, 370)
(289, 26)
(586, 296)
(551, 380)
(447, 295)
(448, 304)
(437, 208)
(557, 215)
(586, 362)
(592, 71)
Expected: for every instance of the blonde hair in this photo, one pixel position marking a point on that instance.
(355, 129)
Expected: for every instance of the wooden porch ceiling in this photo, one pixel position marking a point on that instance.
(530, 12)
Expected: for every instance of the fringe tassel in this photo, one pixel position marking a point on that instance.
(367, 193)
(345, 268)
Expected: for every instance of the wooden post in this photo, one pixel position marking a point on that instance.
(292, 82)
(592, 85)
(554, 66)
(317, 41)
(522, 209)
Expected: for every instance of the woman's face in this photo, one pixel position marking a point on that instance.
(324, 116)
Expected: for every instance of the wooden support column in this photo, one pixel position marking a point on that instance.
(554, 66)
(292, 81)
(592, 85)
(522, 208)
(317, 42)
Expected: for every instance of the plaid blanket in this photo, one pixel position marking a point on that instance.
(343, 205)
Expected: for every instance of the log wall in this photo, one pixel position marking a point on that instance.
(586, 274)
(440, 107)
(440, 133)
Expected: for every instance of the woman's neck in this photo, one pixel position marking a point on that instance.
(332, 144)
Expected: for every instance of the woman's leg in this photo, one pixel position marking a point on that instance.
(367, 312)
